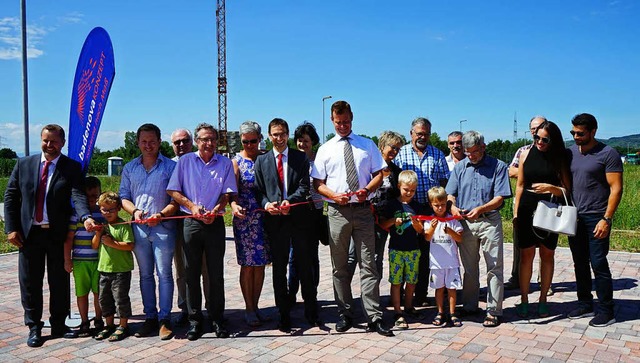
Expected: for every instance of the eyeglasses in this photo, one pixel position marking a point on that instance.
(577, 133)
(422, 134)
(181, 142)
(207, 140)
(110, 210)
(545, 140)
(247, 142)
(455, 142)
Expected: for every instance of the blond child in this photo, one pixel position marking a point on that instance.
(404, 251)
(443, 234)
(81, 259)
(115, 265)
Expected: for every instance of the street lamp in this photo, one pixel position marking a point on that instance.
(323, 99)
(461, 121)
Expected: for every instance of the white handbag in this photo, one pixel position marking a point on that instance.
(556, 218)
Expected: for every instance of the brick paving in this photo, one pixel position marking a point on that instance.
(536, 340)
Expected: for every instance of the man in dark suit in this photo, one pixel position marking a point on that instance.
(282, 179)
(37, 210)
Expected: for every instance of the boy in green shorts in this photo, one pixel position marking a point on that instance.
(404, 251)
(81, 259)
(115, 243)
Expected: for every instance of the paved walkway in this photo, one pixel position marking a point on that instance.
(539, 340)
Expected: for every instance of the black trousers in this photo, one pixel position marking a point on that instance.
(207, 239)
(37, 251)
(282, 236)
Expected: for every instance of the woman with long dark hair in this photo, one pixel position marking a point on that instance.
(544, 173)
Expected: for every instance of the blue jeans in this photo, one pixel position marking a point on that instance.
(154, 248)
(586, 250)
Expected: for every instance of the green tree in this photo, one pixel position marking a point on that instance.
(6, 153)
(439, 143)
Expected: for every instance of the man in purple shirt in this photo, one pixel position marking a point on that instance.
(201, 184)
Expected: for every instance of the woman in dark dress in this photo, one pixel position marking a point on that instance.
(544, 172)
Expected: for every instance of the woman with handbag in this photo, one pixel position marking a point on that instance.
(544, 173)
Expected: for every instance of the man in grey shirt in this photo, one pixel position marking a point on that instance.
(477, 189)
(597, 189)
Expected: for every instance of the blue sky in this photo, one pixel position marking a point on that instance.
(479, 61)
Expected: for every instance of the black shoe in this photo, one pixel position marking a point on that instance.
(378, 327)
(313, 320)
(98, 324)
(84, 330)
(344, 324)
(63, 331)
(602, 320)
(150, 326)
(284, 325)
(219, 330)
(183, 319)
(35, 337)
(511, 285)
(194, 332)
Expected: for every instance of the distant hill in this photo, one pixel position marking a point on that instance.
(632, 141)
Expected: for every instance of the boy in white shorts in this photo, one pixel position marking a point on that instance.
(443, 232)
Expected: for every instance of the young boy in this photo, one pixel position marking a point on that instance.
(404, 251)
(84, 261)
(115, 265)
(443, 232)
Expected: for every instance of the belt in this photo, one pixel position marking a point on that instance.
(40, 226)
(364, 204)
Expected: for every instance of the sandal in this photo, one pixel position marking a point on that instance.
(455, 321)
(105, 333)
(120, 333)
(85, 329)
(543, 310)
(491, 321)
(439, 320)
(401, 323)
(522, 309)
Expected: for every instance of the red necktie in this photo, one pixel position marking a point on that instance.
(281, 174)
(42, 189)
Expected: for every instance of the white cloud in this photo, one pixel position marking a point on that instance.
(74, 17)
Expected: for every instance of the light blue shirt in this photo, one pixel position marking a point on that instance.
(203, 183)
(147, 190)
(431, 168)
(474, 185)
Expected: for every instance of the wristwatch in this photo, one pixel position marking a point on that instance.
(85, 217)
(608, 220)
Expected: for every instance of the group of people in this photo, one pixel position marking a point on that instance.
(435, 211)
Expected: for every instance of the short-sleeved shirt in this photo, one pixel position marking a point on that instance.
(403, 237)
(203, 183)
(443, 250)
(474, 185)
(147, 190)
(82, 250)
(590, 187)
(431, 168)
(329, 164)
(112, 259)
(515, 163)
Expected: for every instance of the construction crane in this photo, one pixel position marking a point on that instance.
(222, 76)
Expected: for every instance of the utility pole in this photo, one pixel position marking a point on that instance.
(25, 81)
(222, 75)
(515, 127)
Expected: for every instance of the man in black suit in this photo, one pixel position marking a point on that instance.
(282, 179)
(37, 210)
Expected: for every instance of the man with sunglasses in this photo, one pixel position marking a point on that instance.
(432, 169)
(514, 281)
(454, 141)
(182, 143)
(597, 189)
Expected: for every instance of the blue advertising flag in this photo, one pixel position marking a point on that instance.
(94, 76)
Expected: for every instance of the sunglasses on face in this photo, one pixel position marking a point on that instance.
(247, 142)
(181, 142)
(544, 140)
(577, 133)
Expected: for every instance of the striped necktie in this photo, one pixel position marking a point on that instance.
(350, 164)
